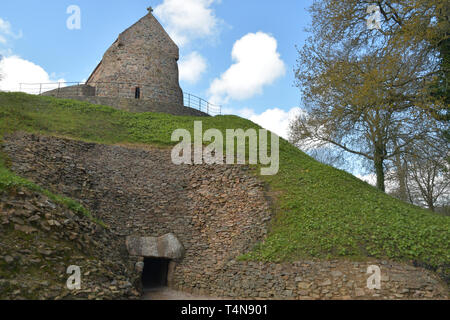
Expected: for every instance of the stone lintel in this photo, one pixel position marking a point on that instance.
(166, 247)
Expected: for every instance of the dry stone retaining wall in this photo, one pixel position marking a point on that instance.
(39, 234)
(309, 280)
(217, 212)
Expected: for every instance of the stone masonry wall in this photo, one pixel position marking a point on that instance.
(217, 212)
(143, 56)
(126, 104)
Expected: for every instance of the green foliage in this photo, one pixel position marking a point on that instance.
(320, 211)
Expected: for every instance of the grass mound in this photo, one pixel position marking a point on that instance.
(321, 212)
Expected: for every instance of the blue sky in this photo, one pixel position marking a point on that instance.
(37, 33)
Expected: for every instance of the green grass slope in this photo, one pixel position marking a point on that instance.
(321, 212)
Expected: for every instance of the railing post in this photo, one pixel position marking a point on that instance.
(20, 87)
(207, 108)
(40, 88)
(59, 87)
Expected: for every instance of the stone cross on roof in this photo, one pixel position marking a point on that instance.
(150, 9)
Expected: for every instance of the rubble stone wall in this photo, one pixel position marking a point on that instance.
(217, 212)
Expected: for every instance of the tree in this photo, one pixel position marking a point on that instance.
(441, 89)
(367, 91)
(420, 174)
(355, 103)
(428, 174)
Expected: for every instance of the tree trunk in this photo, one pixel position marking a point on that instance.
(401, 176)
(379, 168)
(430, 204)
(403, 193)
(380, 174)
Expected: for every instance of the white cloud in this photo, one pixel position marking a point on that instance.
(275, 120)
(187, 20)
(6, 32)
(192, 67)
(257, 64)
(370, 178)
(16, 70)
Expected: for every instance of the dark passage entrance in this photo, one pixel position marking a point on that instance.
(155, 273)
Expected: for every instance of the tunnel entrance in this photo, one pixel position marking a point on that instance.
(155, 273)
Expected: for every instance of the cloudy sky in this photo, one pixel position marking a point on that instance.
(240, 54)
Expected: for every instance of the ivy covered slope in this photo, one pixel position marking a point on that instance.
(321, 212)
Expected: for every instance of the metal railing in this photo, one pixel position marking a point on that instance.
(110, 89)
(198, 103)
(40, 88)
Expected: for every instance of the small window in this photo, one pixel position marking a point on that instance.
(137, 93)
